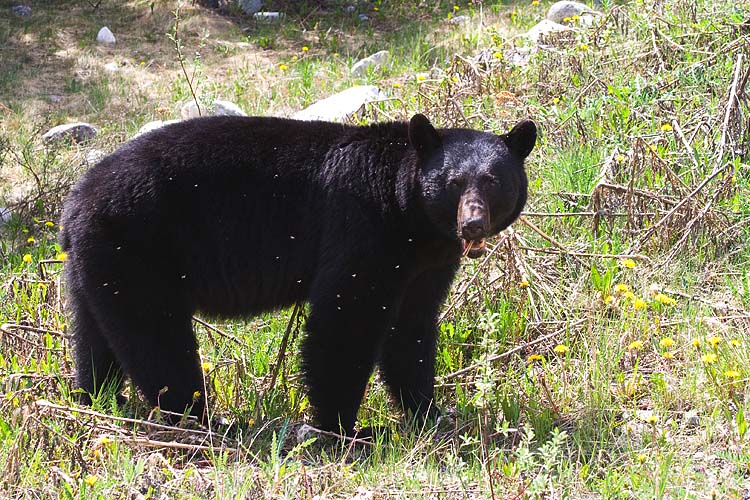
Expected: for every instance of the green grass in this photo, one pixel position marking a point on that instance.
(564, 371)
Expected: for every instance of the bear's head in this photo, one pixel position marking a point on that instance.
(472, 184)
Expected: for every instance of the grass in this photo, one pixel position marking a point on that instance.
(600, 352)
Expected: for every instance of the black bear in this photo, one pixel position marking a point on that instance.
(233, 216)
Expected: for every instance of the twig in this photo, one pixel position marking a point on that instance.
(219, 331)
(175, 37)
(549, 238)
(509, 352)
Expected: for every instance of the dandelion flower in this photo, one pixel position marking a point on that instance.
(635, 345)
(524, 284)
(535, 2)
(196, 395)
(583, 47)
(629, 295)
(620, 158)
(641, 458)
(696, 342)
(49, 223)
(575, 17)
(535, 357)
(665, 299)
(628, 263)
(498, 55)
(561, 349)
(732, 374)
(667, 342)
(305, 48)
(91, 479)
(709, 358)
(421, 78)
(207, 367)
(639, 304)
(734, 343)
(608, 299)
(668, 355)
(283, 67)
(651, 419)
(666, 127)
(396, 85)
(63, 256)
(456, 8)
(30, 239)
(714, 341)
(555, 100)
(27, 258)
(621, 288)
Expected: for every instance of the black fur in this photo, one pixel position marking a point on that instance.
(234, 216)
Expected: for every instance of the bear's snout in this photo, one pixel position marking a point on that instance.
(473, 229)
(473, 216)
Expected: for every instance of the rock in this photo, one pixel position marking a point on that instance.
(560, 11)
(78, 132)
(21, 10)
(227, 108)
(105, 36)
(269, 17)
(459, 20)
(111, 67)
(93, 156)
(148, 127)
(250, 7)
(691, 419)
(342, 106)
(350, 9)
(375, 61)
(363, 17)
(190, 110)
(544, 28)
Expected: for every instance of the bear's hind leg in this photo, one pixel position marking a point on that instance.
(96, 366)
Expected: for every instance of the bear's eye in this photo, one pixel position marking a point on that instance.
(491, 179)
(455, 182)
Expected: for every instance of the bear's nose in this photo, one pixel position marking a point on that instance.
(473, 229)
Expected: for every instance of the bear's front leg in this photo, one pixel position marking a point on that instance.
(345, 333)
(408, 358)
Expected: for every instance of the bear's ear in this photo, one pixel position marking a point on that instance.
(521, 138)
(423, 136)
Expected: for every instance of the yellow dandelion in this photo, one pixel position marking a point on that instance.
(628, 263)
(621, 288)
(641, 458)
(49, 223)
(143, 63)
(629, 295)
(710, 358)
(305, 48)
(651, 419)
(454, 79)
(620, 158)
(63, 256)
(376, 9)
(30, 239)
(696, 342)
(567, 19)
(666, 127)
(667, 342)
(196, 395)
(608, 299)
(635, 345)
(456, 8)
(91, 479)
(639, 304)
(207, 367)
(665, 299)
(283, 67)
(535, 2)
(583, 47)
(421, 78)
(535, 357)
(561, 349)
(524, 284)
(96, 453)
(668, 355)
(104, 440)
(396, 85)
(498, 55)
(575, 17)
(24, 231)
(714, 341)
(27, 258)
(294, 58)
(734, 343)
(732, 374)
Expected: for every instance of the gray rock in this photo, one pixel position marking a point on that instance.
(21, 10)
(375, 61)
(93, 156)
(148, 127)
(269, 17)
(78, 132)
(190, 110)
(363, 17)
(111, 67)
(459, 20)
(342, 106)
(105, 36)
(350, 9)
(560, 11)
(250, 7)
(227, 108)
(544, 28)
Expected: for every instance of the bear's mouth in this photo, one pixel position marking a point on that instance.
(474, 249)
